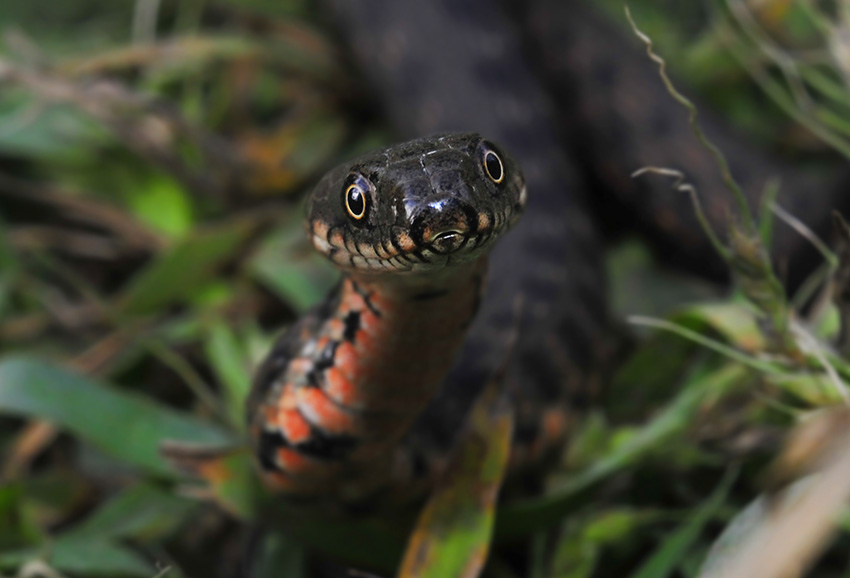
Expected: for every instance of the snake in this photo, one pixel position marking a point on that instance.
(361, 400)
(411, 226)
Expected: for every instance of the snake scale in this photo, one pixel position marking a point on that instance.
(364, 396)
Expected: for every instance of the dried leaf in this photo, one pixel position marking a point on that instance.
(452, 535)
(782, 538)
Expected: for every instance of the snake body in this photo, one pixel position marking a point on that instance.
(338, 410)
(411, 226)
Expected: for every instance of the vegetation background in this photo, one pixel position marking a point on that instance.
(153, 155)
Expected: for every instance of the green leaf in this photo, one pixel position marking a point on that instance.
(84, 557)
(16, 529)
(163, 204)
(524, 517)
(230, 473)
(231, 366)
(56, 133)
(125, 425)
(655, 369)
(69, 27)
(617, 524)
(817, 389)
(292, 268)
(177, 274)
(734, 321)
(51, 495)
(142, 511)
(574, 556)
(673, 550)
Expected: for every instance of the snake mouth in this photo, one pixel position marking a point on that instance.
(411, 250)
(401, 250)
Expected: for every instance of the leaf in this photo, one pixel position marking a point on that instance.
(841, 284)
(728, 544)
(583, 537)
(50, 497)
(163, 205)
(231, 367)
(142, 511)
(89, 558)
(16, 529)
(655, 367)
(574, 556)
(98, 22)
(175, 59)
(177, 274)
(617, 524)
(291, 268)
(524, 517)
(734, 321)
(55, 133)
(817, 389)
(452, 536)
(781, 534)
(228, 471)
(125, 425)
(673, 550)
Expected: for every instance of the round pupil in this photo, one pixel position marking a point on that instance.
(494, 166)
(355, 201)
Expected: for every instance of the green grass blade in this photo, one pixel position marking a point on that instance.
(179, 273)
(672, 552)
(124, 425)
(230, 364)
(141, 511)
(83, 558)
(523, 518)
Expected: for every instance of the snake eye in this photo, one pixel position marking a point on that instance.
(493, 167)
(355, 201)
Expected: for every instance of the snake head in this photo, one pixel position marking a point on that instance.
(419, 206)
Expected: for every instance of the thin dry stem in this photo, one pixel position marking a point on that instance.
(682, 186)
(693, 114)
(805, 232)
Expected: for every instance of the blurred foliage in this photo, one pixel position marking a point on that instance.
(152, 160)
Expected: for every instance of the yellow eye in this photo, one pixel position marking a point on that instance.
(355, 201)
(493, 167)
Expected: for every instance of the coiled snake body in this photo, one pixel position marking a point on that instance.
(353, 400)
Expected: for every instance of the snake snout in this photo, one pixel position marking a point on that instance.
(444, 227)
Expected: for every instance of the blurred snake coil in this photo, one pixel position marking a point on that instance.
(366, 394)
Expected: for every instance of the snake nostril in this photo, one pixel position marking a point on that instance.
(448, 241)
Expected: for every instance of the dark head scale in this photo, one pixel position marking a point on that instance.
(418, 206)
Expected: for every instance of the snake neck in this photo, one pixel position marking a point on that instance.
(375, 357)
